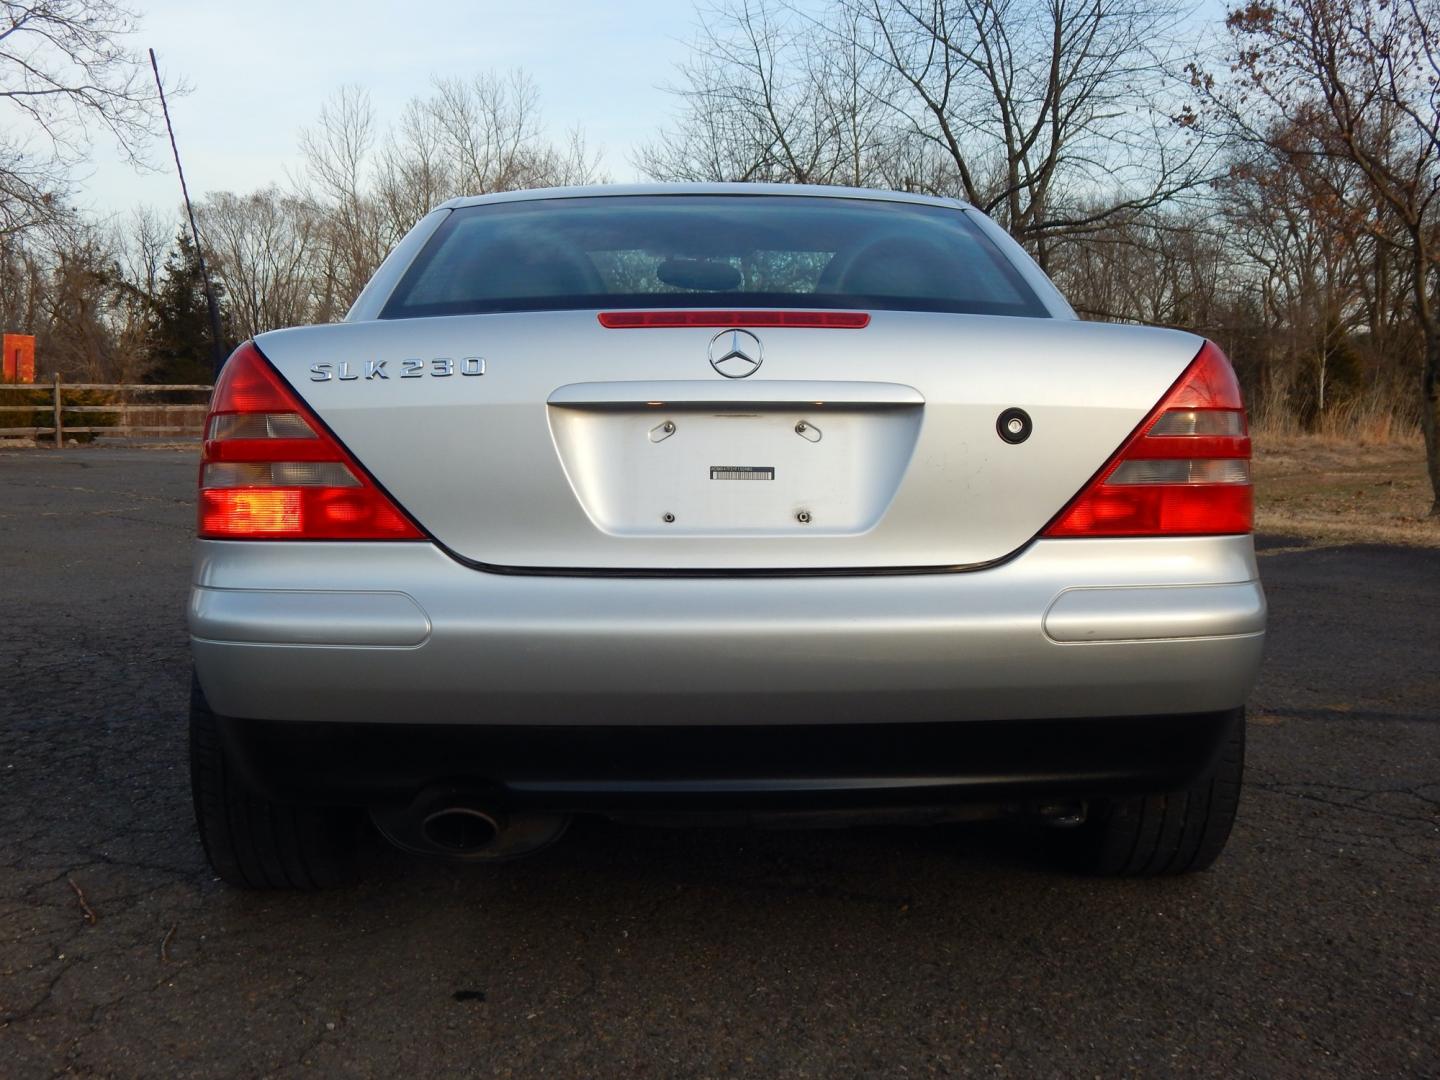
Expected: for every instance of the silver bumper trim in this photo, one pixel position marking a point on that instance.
(308, 617)
(1150, 613)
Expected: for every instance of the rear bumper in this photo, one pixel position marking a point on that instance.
(401, 634)
(704, 769)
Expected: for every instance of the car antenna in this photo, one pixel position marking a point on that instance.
(216, 357)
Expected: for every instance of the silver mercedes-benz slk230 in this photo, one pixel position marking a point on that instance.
(720, 502)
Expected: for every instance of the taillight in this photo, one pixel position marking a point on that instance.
(270, 470)
(1185, 471)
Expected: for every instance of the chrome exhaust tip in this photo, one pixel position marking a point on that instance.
(463, 830)
(453, 822)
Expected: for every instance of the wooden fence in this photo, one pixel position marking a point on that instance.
(126, 411)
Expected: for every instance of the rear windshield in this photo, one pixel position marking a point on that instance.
(656, 251)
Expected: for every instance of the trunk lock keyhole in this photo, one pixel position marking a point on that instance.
(1014, 425)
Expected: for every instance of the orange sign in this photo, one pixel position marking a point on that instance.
(19, 357)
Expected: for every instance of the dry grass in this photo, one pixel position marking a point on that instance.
(1328, 489)
(1376, 416)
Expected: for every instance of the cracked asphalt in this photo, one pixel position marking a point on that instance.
(1312, 949)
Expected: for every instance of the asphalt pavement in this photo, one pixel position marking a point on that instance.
(1311, 949)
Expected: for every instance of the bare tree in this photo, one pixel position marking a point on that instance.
(264, 248)
(490, 130)
(142, 249)
(1311, 253)
(78, 308)
(471, 138)
(64, 71)
(1052, 116)
(1362, 79)
(761, 99)
(22, 283)
(1158, 267)
(465, 138)
(415, 174)
(338, 152)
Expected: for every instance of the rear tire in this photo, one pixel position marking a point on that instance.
(1161, 835)
(255, 843)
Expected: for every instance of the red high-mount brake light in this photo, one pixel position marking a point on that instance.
(270, 470)
(1185, 470)
(823, 320)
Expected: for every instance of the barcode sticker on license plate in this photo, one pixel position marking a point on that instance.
(741, 472)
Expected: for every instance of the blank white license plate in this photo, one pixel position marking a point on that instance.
(775, 471)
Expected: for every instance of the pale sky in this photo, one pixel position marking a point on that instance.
(259, 72)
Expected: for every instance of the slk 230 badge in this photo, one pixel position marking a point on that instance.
(440, 367)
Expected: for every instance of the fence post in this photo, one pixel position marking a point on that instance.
(59, 426)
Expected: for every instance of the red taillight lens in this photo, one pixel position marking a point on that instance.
(1185, 471)
(270, 471)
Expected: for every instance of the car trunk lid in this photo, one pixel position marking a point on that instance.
(547, 441)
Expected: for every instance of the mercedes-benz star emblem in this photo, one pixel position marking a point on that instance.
(736, 353)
